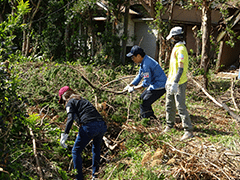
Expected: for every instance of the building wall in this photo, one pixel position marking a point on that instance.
(190, 40)
(145, 38)
(229, 55)
(193, 16)
(130, 41)
(131, 35)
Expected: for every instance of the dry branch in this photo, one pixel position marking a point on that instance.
(93, 86)
(35, 153)
(193, 160)
(129, 105)
(116, 80)
(207, 94)
(228, 109)
(41, 123)
(235, 116)
(202, 158)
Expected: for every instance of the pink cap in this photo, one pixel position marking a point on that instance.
(62, 91)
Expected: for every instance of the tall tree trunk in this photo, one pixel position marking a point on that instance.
(198, 41)
(206, 28)
(27, 39)
(168, 49)
(125, 34)
(92, 30)
(24, 37)
(66, 38)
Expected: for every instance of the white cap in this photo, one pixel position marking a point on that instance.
(175, 31)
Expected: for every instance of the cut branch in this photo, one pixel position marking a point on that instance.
(35, 153)
(94, 87)
(116, 80)
(228, 109)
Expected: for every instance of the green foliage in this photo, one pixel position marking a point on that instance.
(162, 27)
(23, 7)
(12, 118)
(12, 105)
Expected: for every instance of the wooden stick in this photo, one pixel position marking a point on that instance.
(35, 154)
(129, 105)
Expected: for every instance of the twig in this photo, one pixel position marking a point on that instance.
(18, 157)
(35, 153)
(119, 134)
(112, 171)
(70, 164)
(1, 170)
(126, 77)
(107, 143)
(129, 105)
(139, 44)
(44, 115)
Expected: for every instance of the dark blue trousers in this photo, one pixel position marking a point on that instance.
(148, 97)
(95, 131)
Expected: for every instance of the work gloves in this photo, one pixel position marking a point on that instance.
(174, 88)
(129, 88)
(63, 140)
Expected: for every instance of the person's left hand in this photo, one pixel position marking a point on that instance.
(63, 140)
(174, 88)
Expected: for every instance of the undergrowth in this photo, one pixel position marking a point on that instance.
(38, 84)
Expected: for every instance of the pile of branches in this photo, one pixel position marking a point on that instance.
(198, 159)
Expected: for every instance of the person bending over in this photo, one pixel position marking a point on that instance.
(92, 127)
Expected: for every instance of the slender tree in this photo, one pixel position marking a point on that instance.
(125, 32)
(206, 29)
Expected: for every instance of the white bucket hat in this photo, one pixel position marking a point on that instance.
(175, 31)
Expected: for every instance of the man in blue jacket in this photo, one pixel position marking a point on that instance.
(154, 80)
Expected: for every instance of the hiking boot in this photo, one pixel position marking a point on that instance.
(167, 129)
(187, 135)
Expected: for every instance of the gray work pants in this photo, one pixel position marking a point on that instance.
(177, 101)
